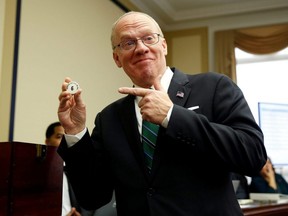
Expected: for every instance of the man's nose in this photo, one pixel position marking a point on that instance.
(140, 45)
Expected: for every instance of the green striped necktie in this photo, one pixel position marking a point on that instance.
(149, 138)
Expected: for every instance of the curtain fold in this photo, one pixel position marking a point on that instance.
(259, 40)
(263, 40)
(225, 61)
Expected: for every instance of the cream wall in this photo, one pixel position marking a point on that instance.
(187, 50)
(2, 15)
(179, 45)
(7, 31)
(59, 39)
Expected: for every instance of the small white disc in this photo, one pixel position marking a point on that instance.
(72, 87)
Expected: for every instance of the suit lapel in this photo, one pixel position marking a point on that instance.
(179, 91)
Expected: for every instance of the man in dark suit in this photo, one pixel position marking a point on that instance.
(206, 131)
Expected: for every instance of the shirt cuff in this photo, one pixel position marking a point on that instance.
(72, 139)
(165, 122)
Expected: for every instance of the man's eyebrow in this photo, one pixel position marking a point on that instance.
(127, 38)
(142, 34)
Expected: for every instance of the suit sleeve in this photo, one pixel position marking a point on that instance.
(88, 172)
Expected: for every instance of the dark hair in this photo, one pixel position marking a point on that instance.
(50, 129)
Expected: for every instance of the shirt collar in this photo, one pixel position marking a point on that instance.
(165, 81)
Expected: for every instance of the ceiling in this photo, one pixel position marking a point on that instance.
(169, 13)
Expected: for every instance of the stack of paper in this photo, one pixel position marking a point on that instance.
(268, 196)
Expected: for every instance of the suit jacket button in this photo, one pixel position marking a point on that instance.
(150, 191)
(193, 142)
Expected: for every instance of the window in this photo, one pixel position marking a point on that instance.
(264, 80)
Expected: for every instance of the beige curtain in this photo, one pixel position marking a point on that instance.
(225, 61)
(260, 40)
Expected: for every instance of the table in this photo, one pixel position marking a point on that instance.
(267, 208)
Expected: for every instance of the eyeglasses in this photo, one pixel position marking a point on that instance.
(147, 40)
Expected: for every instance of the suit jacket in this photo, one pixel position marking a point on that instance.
(193, 158)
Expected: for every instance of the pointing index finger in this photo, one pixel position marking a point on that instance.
(134, 91)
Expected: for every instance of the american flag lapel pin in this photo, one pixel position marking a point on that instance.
(180, 94)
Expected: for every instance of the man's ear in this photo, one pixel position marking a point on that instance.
(164, 45)
(116, 59)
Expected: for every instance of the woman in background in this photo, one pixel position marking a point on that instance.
(268, 181)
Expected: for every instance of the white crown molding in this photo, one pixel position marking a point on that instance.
(218, 10)
(157, 8)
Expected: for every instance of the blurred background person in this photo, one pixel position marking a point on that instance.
(70, 206)
(268, 181)
(54, 133)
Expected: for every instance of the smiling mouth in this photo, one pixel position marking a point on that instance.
(142, 60)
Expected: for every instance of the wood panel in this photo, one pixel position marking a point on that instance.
(268, 209)
(5, 158)
(32, 184)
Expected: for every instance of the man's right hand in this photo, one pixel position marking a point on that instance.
(71, 110)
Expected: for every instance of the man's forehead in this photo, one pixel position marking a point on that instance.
(134, 25)
(134, 21)
(135, 30)
(138, 33)
(58, 129)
